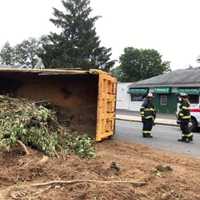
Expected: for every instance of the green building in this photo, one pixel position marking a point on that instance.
(166, 88)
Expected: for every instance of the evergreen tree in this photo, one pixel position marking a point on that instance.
(7, 54)
(77, 45)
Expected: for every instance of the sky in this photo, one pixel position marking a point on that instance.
(169, 26)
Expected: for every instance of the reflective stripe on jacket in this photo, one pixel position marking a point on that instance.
(184, 112)
(148, 111)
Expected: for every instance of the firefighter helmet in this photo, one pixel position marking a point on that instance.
(150, 95)
(183, 95)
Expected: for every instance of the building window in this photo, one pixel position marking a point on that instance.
(194, 99)
(163, 100)
(136, 97)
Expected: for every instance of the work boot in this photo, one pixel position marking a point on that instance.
(187, 140)
(150, 136)
(181, 139)
(144, 135)
(147, 135)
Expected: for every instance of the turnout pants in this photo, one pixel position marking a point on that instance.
(147, 127)
(186, 134)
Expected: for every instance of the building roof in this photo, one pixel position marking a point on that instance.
(177, 78)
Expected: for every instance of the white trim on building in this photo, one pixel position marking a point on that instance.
(135, 105)
(124, 100)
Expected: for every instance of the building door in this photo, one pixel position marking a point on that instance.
(166, 103)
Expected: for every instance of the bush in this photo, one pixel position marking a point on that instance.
(81, 145)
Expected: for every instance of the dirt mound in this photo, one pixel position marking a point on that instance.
(120, 171)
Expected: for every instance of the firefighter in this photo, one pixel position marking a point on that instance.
(185, 118)
(148, 114)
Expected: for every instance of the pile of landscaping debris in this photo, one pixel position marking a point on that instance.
(28, 123)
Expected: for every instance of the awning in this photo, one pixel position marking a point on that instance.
(161, 90)
(195, 91)
(138, 90)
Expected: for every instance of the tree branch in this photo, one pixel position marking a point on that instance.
(23, 147)
(134, 183)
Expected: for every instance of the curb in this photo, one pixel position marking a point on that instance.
(158, 123)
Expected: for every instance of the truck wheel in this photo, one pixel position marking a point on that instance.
(193, 127)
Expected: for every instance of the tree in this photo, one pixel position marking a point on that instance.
(77, 45)
(139, 64)
(26, 52)
(7, 54)
(117, 72)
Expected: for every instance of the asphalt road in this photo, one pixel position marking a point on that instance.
(165, 137)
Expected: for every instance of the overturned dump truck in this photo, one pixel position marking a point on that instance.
(85, 99)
